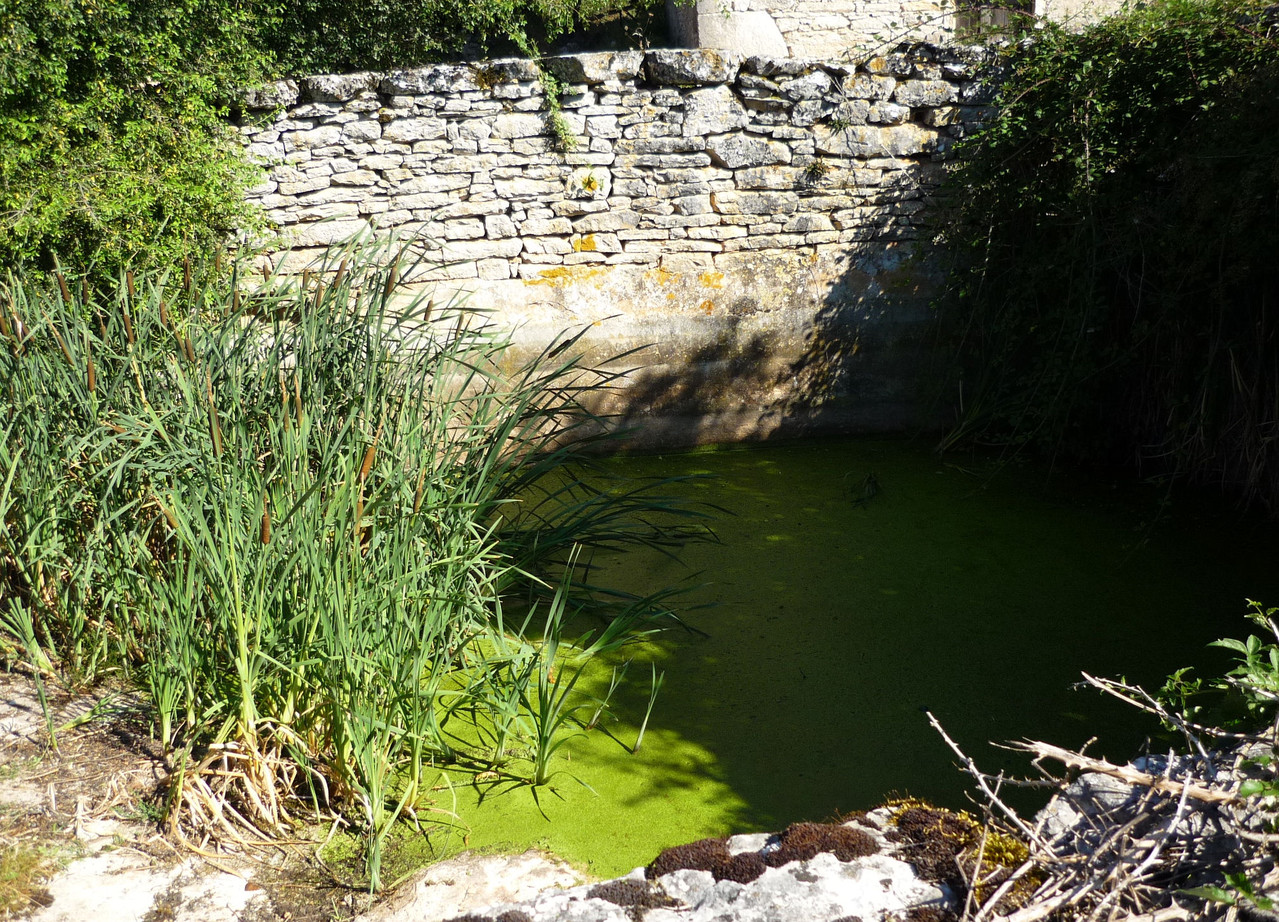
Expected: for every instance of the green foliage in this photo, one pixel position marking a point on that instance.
(295, 519)
(311, 36)
(1116, 294)
(113, 149)
(1248, 694)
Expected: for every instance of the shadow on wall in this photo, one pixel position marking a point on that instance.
(847, 352)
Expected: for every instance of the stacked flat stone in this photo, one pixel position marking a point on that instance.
(683, 159)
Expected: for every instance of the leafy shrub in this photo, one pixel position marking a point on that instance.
(1115, 301)
(310, 36)
(113, 149)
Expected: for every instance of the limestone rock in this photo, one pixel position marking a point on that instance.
(338, 87)
(737, 150)
(594, 69)
(275, 95)
(691, 67)
(714, 110)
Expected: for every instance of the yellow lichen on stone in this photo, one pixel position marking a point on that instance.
(585, 243)
(712, 279)
(562, 275)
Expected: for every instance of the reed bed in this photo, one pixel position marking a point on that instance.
(329, 540)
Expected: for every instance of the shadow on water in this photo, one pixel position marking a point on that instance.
(839, 616)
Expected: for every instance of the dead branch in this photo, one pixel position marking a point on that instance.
(1125, 773)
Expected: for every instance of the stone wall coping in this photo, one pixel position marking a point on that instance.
(675, 67)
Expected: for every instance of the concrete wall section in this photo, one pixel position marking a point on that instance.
(760, 224)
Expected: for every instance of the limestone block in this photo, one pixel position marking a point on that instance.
(868, 141)
(771, 177)
(692, 204)
(546, 226)
(499, 226)
(768, 66)
(804, 223)
(718, 232)
(338, 87)
(355, 178)
(493, 269)
(606, 221)
(501, 71)
(482, 163)
(596, 243)
(365, 129)
(738, 150)
(755, 203)
(575, 207)
(320, 111)
(481, 249)
(324, 233)
(691, 67)
(265, 151)
(870, 86)
(675, 145)
(423, 205)
(436, 78)
(714, 110)
(382, 161)
(464, 229)
(544, 246)
(895, 65)
(408, 130)
(303, 185)
(527, 190)
(925, 93)
(442, 182)
(275, 95)
(518, 125)
(887, 113)
(594, 69)
(811, 111)
(602, 126)
(322, 136)
(810, 86)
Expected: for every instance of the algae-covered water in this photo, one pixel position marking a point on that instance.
(839, 610)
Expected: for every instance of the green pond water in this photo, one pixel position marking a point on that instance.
(977, 590)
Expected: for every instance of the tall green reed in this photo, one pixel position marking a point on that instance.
(291, 511)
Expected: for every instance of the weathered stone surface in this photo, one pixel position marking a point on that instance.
(713, 110)
(925, 93)
(437, 78)
(594, 69)
(275, 95)
(737, 150)
(338, 87)
(869, 141)
(408, 130)
(519, 125)
(699, 67)
(810, 86)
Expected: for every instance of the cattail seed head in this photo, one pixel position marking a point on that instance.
(369, 455)
(265, 532)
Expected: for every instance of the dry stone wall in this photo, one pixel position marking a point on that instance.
(757, 221)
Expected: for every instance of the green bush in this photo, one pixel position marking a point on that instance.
(113, 146)
(298, 522)
(315, 36)
(1116, 293)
